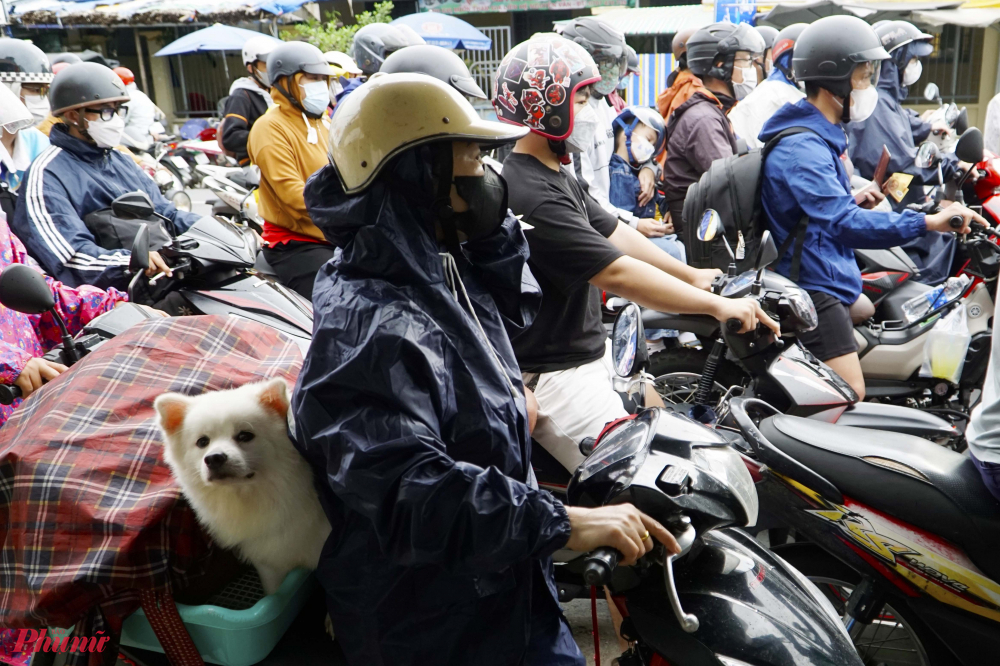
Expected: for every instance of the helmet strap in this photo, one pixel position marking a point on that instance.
(295, 102)
(443, 212)
(559, 148)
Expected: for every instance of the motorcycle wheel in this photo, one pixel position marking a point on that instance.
(677, 372)
(897, 638)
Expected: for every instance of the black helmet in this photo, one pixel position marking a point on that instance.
(536, 81)
(23, 62)
(721, 41)
(434, 61)
(784, 43)
(606, 45)
(374, 42)
(71, 58)
(768, 33)
(85, 84)
(828, 50)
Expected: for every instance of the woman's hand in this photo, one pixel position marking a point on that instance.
(37, 372)
(620, 526)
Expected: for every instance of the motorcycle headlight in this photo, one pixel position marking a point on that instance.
(630, 439)
(803, 307)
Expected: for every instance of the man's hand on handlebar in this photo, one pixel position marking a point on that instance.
(943, 220)
(37, 372)
(620, 526)
(157, 265)
(747, 311)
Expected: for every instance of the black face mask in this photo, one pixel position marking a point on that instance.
(487, 199)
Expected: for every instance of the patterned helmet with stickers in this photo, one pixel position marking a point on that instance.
(536, 82)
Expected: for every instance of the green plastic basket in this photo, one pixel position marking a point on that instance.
(239, 626)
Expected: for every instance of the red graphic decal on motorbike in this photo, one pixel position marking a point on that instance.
(538, 55)
(514, 70)
(507, 99)
(531, 100)
(536, 78)
(560, 72)
(555, 94)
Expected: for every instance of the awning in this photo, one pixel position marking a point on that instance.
(480, 6)
(140, 12)
(217, 37)
(657, 20)
(968, 18)
(786, 13)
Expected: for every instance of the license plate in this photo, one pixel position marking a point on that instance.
(201, 158)
(179, 161)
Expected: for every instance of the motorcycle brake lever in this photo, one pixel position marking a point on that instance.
(688, 621)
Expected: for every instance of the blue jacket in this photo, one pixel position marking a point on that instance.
(67, 182)
(899, 129)
(804, 175)
(623, 190)
(420, 448)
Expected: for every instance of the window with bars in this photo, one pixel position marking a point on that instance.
(954, 65)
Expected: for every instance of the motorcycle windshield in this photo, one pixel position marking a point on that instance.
(220, 242)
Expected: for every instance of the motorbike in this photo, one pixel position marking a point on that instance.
(724, 600)
(900, 534)
(948, 114)
(235, 192)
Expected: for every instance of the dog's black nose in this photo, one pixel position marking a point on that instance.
(216, 460)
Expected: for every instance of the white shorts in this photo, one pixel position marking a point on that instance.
(574, 404)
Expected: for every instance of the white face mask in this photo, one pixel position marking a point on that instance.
(581, 139)
(642, 150)
(316, 97)
(106, 134)
(863, 103)
(38, 107)
(741, 90)
(912, 72)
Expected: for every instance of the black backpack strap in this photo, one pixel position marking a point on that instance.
(798, 234)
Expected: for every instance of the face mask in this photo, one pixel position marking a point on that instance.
(581, 139)
(316, 97)
(610, 71)
(912, 72)
(741, 90)
(487, 199)
(641, 150)
(863, 103)
(106, 134)
(38, 107)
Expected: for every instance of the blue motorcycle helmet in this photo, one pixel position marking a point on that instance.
(629, 119)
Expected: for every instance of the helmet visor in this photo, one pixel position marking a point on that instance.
(467, 86)
(876, 53)
(866, 74)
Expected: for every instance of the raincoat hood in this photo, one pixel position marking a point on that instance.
(890, 80)
(804, 114)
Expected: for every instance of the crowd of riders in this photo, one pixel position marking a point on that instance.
(457, 297)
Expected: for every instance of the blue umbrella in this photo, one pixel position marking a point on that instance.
(444, 30)
(216, 37)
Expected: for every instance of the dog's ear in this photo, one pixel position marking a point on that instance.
(171, 408)
(274, 396)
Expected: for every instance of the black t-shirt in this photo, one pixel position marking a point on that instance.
(569, 245)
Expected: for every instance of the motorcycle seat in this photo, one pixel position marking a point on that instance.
(928, 486)
(262, 267)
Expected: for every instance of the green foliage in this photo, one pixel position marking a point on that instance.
(332, 35)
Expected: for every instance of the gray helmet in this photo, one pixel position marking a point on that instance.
(633, 61)
(434, 61)
(56, 58)
(374, 42)
(720, 42)
(291, 58)
(606, 45)
(768, 33)
(85, 84)
(895, 34)
(23, 62)
(827, 52)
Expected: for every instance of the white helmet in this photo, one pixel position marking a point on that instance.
(257, 48)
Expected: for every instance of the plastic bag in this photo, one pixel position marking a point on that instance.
(946, 346)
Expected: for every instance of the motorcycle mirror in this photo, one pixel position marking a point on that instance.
(24, 289)
(962, 122)
(931, 92)
(767, 253)
(927, 155)
(628, 342)
(951, 114)
(133, 204)
(710, 225)
(139, 261)
(970, 146)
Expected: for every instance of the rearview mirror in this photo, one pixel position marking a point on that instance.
(970, 146)
(628, 342)
(133, 204)
(767, 252)
(962, 122)
(931, 92)
(710, 226)
(24, 290)
(139, 260)
(927, 155)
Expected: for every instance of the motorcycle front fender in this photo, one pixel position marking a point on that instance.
(751, 606)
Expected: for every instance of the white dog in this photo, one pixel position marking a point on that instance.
(250, 488)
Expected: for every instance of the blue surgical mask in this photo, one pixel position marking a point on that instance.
(316, 97)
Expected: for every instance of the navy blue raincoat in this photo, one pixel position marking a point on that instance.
(421, 446)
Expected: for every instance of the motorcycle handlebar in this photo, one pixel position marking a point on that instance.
(956, 222)
(734, 325)
(599, 566)
(9, 393)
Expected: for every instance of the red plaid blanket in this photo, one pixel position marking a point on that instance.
(90, 516)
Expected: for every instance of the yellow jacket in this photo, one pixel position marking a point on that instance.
(279, 145)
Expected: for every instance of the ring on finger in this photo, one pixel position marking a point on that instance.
(645, 536)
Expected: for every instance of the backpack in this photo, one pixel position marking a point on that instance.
(731, 187)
